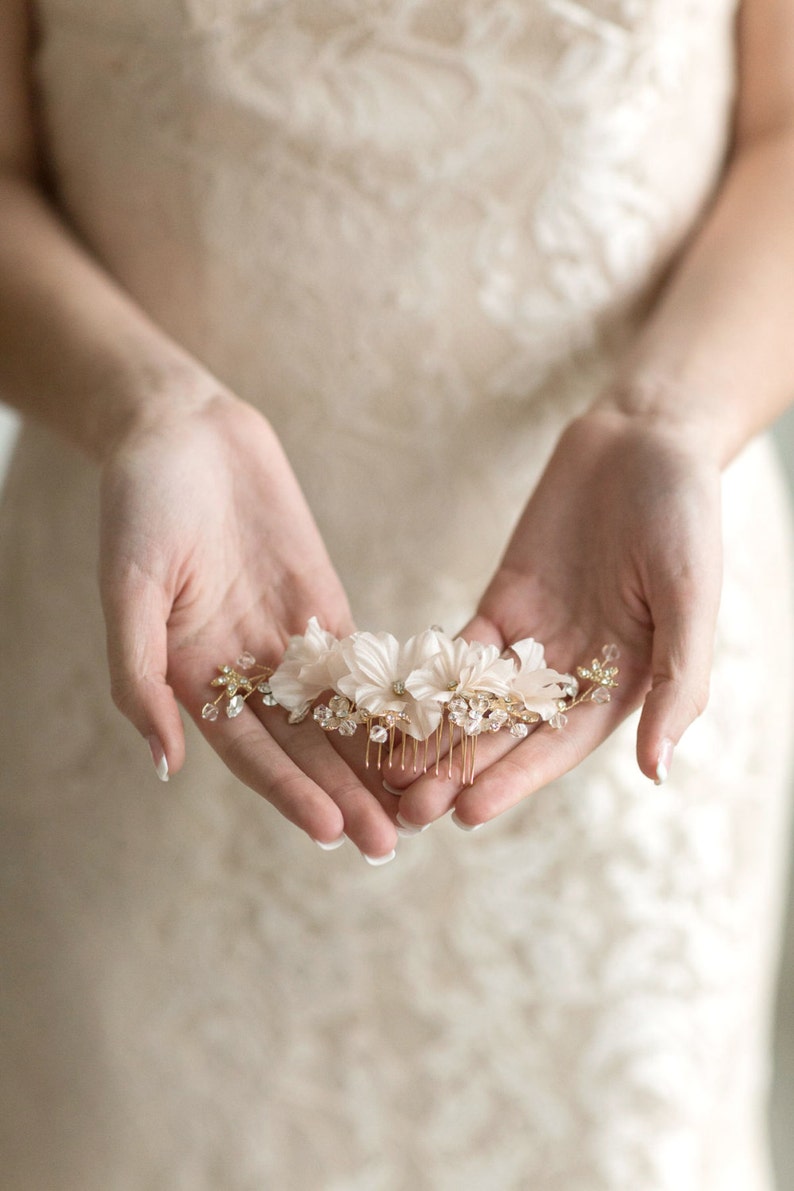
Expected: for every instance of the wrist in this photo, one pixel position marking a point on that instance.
(153, 400)
(668, 408)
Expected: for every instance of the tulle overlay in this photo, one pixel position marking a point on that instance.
(416, 233)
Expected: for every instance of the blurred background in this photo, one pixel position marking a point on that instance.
(782, 1107)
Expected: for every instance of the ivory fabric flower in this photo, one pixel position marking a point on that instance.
(310, 665)
(534, 683)
(461, 666)
(378, 673)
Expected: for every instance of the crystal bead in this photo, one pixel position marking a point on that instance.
(297, 715)
(601, 695)
(245, 661)
(235, 706)
(571, 688)
(610, 653)
(398, 686)
(479, 704)
(339, 705)
(209, 712)
(497, 717)
(472, 726)
(268, 698)
(378, 733)
(232, 687)
(519, 730)
(321, 713)
(458, 704)
(558, 720)
(347, 727)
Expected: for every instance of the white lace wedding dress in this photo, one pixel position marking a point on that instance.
(417, 233)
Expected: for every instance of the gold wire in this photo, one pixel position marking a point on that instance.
(451, 730)
(402, 753)
(367, 724)
(416, 751)
(391, 744)
(439, 732)
(472, 759)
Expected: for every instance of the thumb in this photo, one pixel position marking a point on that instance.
(136, 615)
(683, 645)
(481, 628)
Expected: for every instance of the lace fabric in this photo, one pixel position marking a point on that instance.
(414, 233)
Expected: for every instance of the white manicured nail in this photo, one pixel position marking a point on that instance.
(465, 826)
(407, 829)
(664, 762)
(391, 789)
(159, 758)
(377, 860)
(335, 843)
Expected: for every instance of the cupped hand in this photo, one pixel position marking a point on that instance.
(208, 549)
(620, 543)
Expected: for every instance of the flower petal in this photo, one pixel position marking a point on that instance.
(530, 654)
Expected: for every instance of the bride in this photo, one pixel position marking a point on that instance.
(386, 315)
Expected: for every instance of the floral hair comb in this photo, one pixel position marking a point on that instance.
(415, 691)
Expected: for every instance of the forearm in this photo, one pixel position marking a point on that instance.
(75, 350)
(716, 355)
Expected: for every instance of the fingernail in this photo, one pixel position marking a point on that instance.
(407, 829)
(391, 790)
(465, 826)
(335, 843)
(664, 762)
(377, 860)
(159, 758)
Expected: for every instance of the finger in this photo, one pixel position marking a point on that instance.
(482, 628)
(535, 762)
(434, 793)
(366, 819)
(136, 615)
(259, 762)
(372, 773)
(683, 644)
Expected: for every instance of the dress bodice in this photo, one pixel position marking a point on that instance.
(509, 174)
(412, 224)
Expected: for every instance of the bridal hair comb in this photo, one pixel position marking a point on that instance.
(431, 687)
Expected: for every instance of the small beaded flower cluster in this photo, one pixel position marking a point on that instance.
(238, 687)
(414, 691)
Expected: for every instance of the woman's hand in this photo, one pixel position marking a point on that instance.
(208, 548)
(619, 543)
